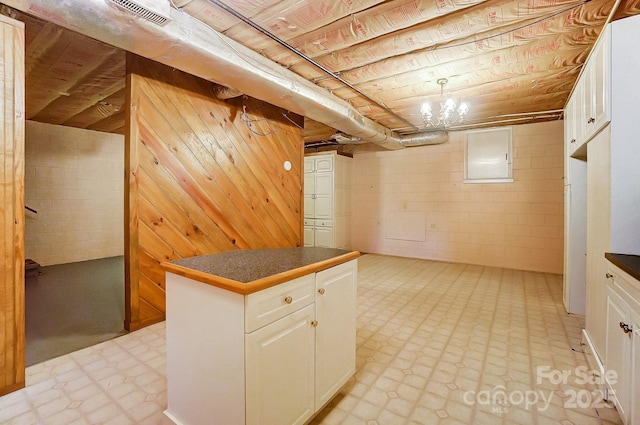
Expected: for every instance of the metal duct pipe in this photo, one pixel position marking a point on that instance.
(224, 92)
(189, 45)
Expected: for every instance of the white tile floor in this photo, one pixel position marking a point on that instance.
(438, 343)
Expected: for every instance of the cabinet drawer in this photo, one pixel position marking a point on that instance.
(309, 222)
(324, 223)
(269, 305)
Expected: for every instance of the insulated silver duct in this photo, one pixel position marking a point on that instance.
(191, 46)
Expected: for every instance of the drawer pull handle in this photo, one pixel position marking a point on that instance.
(573, 140)
(591, 120)
(625, 328)
(321, 291)
(314, 323)
(288, 300)
(609, 275)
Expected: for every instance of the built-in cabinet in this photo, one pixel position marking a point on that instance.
(598, 237)
(327, 200)
(604, 138)
(588, 109)
(623, 343)
(587, 112)
(272, 357)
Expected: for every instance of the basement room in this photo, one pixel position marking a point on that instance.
(336, 212)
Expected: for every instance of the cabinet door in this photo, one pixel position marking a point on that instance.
(618, 346)
(324, 185)
(600, 64)
(279, 371)
(309, 236)
(336, 330)
(309, 194)
(588, 95)
(323, 207)
(309, 165)
(570, 125)
(309, 184)
(309, 206)
(324, 164)
(578, 110)
(598, 236)
(324, 237)
(635, 369)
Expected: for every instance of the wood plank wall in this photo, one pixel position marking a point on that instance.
(12, 366)
(204, 176)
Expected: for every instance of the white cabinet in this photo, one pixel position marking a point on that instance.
(588, 109)
(327, 200)
(280, 370)
(618, 348)
(587, 112)
(623, 343)
(273, 357)
(613, 200)
(575, 233)
(335, 336)
(309, 233)
(318, 195)
(634, 415)
(598, 235)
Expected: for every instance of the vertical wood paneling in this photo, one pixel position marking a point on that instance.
(12, 366)
(204, 176)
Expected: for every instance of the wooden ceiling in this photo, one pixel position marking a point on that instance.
(505, 58)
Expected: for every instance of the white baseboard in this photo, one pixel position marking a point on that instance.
(593, 359)
(169, 419)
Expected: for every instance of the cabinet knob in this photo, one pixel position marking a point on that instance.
(573, 140)
(625, 328)
(321, 291)
(609, 275)
(314, 323)
(288, 300)
(591, 120)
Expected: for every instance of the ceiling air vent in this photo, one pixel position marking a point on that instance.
(156, 11)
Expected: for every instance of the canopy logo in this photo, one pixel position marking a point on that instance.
(500, 399)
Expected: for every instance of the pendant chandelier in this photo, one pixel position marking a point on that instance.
(449, 112)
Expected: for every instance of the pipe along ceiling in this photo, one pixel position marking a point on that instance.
(193, 47)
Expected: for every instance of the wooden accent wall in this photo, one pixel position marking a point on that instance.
(12, 374)
(204, 176)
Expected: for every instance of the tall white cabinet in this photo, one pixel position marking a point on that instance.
(327, 200)
(587, 112)
(601, 127)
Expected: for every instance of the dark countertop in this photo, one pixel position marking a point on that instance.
(628, 263)
(247, 271)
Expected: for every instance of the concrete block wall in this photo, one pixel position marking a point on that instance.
(413, 203)
(74, 178)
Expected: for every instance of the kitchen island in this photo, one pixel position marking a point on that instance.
(259, 336)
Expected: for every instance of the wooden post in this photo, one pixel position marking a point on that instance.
(12, 362)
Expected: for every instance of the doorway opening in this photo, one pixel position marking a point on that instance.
(74, 229)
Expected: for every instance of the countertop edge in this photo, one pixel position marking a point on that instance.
(626, 266)
(259, 284)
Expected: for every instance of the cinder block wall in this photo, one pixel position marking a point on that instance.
(413, 203)
(74, 178)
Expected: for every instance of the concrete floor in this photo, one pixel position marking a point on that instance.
(73, 306)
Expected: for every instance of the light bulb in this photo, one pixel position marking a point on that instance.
(425, 109)
(450, 105)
